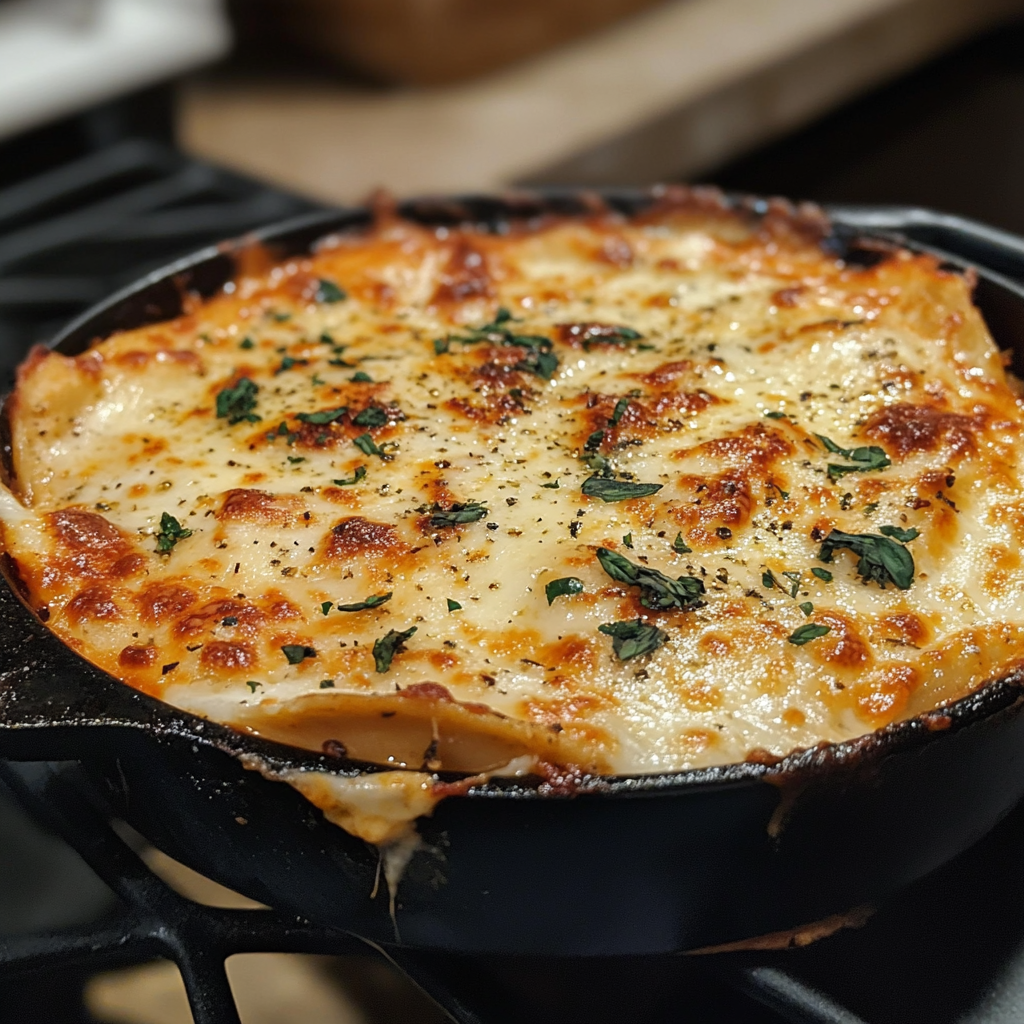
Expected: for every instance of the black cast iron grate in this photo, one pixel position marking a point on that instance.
(77, 232)
(156, 922)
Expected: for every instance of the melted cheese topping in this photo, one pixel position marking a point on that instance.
(441, 458)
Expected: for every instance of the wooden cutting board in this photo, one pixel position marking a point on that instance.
(429, 42)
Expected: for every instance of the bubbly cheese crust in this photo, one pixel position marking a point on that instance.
(458, 419)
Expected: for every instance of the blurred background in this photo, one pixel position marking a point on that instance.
(133, 131)
(917, 101)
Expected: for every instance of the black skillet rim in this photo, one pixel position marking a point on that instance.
(989, 701)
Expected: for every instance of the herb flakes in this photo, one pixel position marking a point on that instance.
(631, 639)
(371, 602)
(538, 358)
(325, 416)
(171, 531)
(366, 444)
(903, 536)
(359, 474)
(880, 559)
(371, 416)
(328, 291)
(236, 403)
(454, 606)
(564, 587)
(387, 646)
(297, 653)
(865, 459)
(805, 634)
(455, 515)
(620, 407)
(680, 547)
(823, 574)
(657, 591)
(287, 362)
(617, 490)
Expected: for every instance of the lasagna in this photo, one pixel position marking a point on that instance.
(606, 494)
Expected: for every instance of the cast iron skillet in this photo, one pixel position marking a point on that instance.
(638, 865)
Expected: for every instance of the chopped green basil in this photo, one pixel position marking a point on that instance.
(822, 574)
(680, 546)
(287, 362)
(552, 486)
(171, 531)
(606, 334)
(320, 418)
(657, 591)
(371, 416)
(247, 343)
(297, 653)
(455, 515)
(594, 441)
(903, 536)
(252, 684)
(794, 579)
(326, 606)
(326, 684)
(630, 639)
(388, 646)
(628, 540)
(296, 458)
(328, 291)
(361, 378)
(805, 634)
(236, 403)
(807, 608)
(881, 560)
(773, 415)
(371, 602)
(865, 459)
(560, 588)
(620, 407)
(616, 490)
(539, 359)
(359, 474)
(454, 606)
(366, 444)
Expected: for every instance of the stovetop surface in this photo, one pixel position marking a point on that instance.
(949, 950)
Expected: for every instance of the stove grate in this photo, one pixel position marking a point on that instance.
(75, 234)
(156, 922)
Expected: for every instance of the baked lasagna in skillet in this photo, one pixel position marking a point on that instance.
(605, 493)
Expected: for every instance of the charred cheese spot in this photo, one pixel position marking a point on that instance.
(95, 602)
(356, 538)
(884, 694)
(250, 506)
(92, 545)
(904, 429)
(221, 655)
(160, 601)
(133, 657)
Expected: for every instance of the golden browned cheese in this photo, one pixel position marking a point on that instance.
(338, 503)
